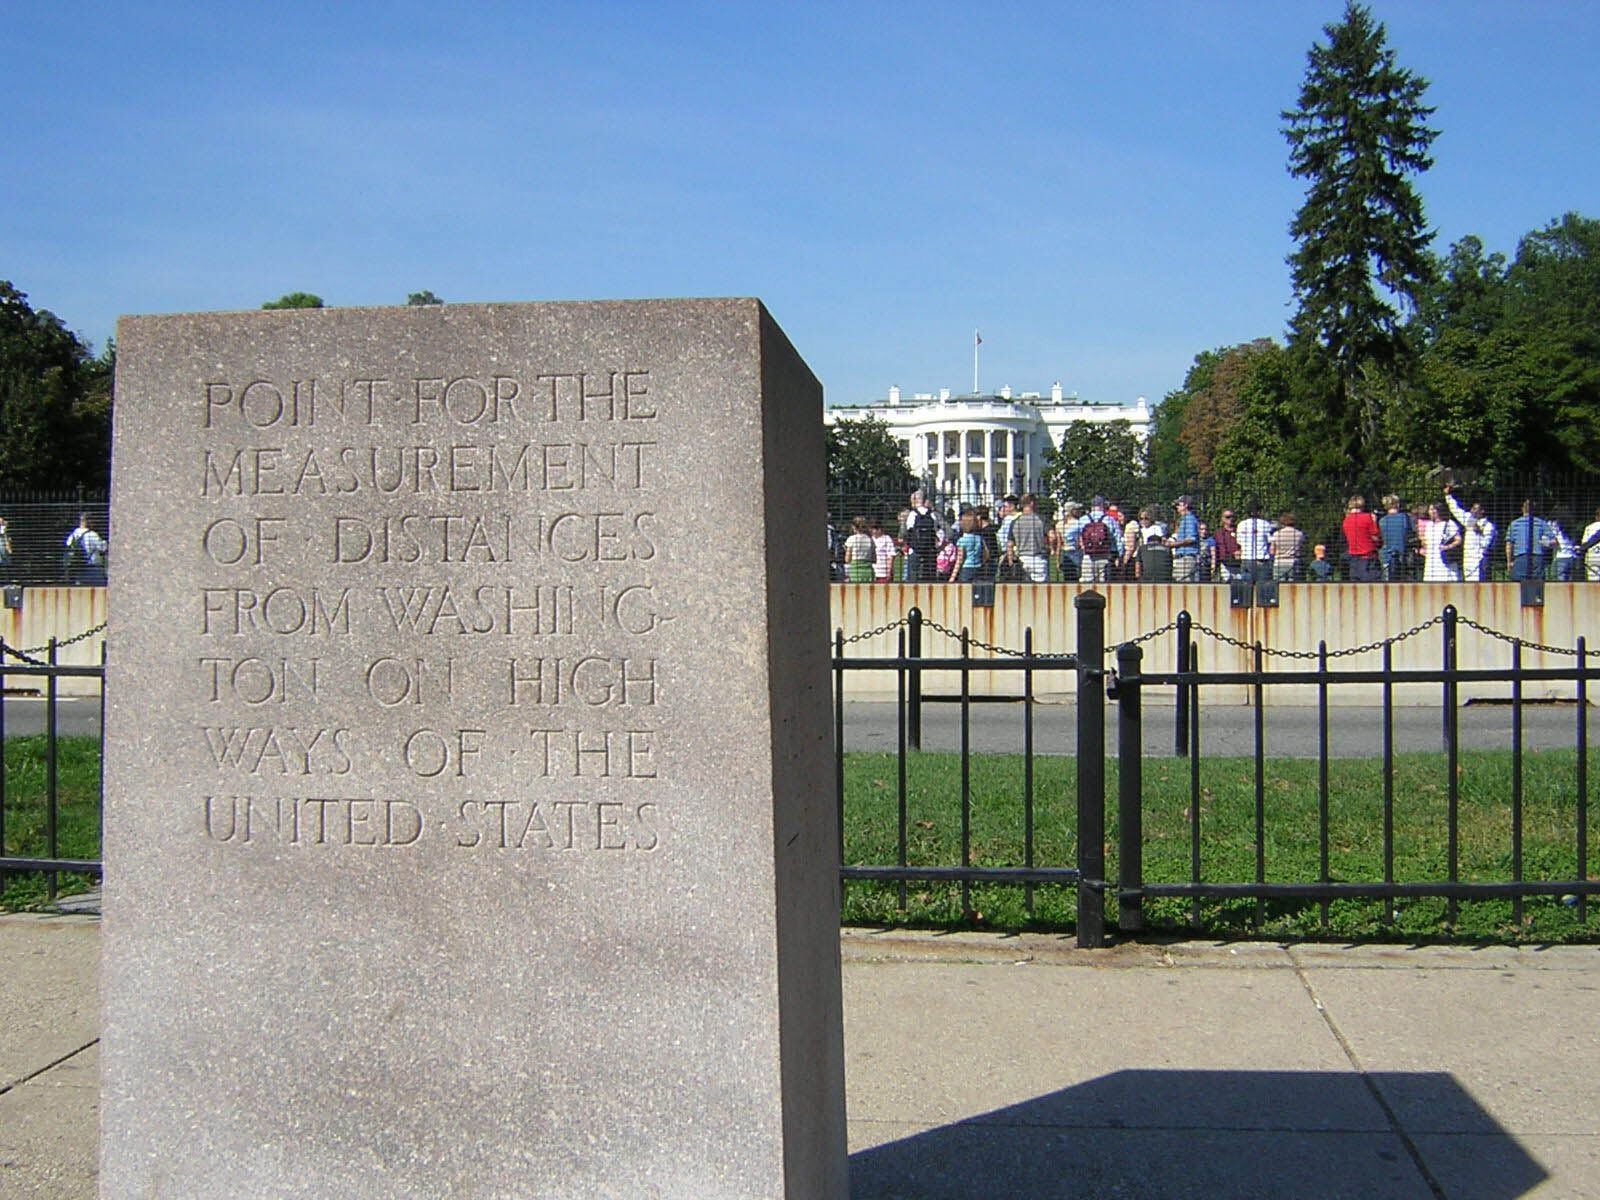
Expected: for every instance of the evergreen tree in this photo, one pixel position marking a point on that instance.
(1358, 136)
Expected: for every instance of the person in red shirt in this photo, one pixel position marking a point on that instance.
(1361, 541)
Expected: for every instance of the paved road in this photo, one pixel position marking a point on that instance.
(998, 728)
(1225, 729)
(27, 715)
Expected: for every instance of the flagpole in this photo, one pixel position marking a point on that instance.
(977, 341)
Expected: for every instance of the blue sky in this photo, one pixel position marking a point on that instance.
(1100, 189)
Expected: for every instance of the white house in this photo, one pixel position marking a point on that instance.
(982, 446)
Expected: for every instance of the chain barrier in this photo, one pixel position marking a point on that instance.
(872, 633)
(989, 646)
(1516, 641)
(1154, 633)
(25, 655)
(1312, 655)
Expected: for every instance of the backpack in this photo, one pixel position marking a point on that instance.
(924, 532)
(1095, 539)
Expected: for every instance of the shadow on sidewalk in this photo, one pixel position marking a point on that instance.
(1268, 1134)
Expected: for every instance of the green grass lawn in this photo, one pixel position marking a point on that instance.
(1227, 836)
(1227, 812)
(77, 813)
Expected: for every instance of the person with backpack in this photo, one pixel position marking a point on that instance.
(922, 540)
(1099, 542)
(85, 554)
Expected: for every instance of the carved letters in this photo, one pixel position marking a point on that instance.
(350, 532)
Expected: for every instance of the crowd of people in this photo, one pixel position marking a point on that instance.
(1435, 542)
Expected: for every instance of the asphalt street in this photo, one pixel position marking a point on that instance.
(1225, 729)
(26, 715)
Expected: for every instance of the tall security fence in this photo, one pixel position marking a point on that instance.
(1318, 507)
(1256, 841)
(38, 525)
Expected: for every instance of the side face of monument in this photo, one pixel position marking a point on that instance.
(470, 825)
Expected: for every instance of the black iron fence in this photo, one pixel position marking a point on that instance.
(31, 792)
(1277, 874)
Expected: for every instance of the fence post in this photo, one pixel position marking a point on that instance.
(1130, 790)
(914, 699)
(1091, 769)
(1451, 752)
(1180, 729)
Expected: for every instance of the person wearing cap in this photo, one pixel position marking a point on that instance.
(1185, 542)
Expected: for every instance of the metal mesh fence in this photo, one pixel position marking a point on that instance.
(1570, 501)
(38, 525)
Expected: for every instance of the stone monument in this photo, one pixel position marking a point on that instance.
(470, 823)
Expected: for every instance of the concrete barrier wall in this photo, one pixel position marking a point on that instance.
(61, 613)
(1341, 614)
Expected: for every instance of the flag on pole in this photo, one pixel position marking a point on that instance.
(977, 338)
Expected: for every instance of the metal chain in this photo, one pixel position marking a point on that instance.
(1154, 633)
(1516, 641)
(889, 628)
(1312, 654)
(990, 647)
(71, 641)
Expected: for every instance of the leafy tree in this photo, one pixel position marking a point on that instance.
(1358, 135)
(1510, 373)
(865, 456)
(55, 401)
(423, 297)
(1097, 458)
(295, 300)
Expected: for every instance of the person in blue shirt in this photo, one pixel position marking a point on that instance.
(1185, 542)
(1529, 541)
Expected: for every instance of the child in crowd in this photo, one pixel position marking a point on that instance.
(1319, 569)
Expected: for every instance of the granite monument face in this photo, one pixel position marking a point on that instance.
(470, 821)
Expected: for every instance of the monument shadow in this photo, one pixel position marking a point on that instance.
(1166, 1135)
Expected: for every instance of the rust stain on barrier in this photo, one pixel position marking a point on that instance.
(1343, 614)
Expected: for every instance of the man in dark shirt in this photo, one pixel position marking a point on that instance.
(1227, 540)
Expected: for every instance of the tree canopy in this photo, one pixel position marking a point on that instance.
(295, 300)
(55, 401)
(865, 456)
(1096, 458)
(422, 298)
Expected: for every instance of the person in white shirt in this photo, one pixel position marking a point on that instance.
(1479, 537)
(1255, 545)
(1590, 546)
(86, 554)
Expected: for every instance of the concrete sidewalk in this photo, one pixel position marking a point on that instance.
(988, 1067)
